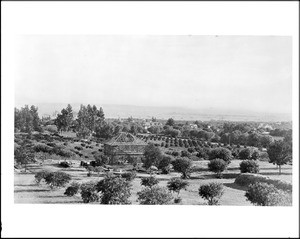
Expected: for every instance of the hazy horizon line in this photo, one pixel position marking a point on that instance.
(208, 108)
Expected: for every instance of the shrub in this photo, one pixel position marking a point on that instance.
(51, 128)
(245, 179)
(149, 181)
(203, 153)
(51, 144)
(183, 165)
(57, 179)
(175, 153)
(249, 166)
(129, 176)
(88, 192)
(185, 153)
(263, 194)
(255, 155)
(100, 159)
(152, 155)
(245, 154)
(164, 164)
(72, 189)
(221, 153)
(211, 192)
(42, 148)
(78, 148)
(61, 152)
(114, 190)
(264, 156)
(64, 164)
(176, 185)
(39, 176)
(154, 196)
(217, 166)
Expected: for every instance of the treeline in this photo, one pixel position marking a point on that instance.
(90, 121)
(27, 119)
(228, 133)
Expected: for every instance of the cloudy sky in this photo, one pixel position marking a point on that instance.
(223, 72)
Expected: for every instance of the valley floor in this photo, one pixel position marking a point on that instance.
(27, 191)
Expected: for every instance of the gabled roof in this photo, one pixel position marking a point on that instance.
(125, 139)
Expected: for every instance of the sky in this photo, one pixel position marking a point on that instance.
(241, 73)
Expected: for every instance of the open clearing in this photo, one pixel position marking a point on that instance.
(27, 191)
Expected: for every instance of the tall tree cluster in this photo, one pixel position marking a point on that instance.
(27, 119)
(88, 119)
(64, 120)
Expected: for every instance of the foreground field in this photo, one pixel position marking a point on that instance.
(27, 191)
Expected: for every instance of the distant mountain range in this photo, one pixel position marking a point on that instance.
(178, 113)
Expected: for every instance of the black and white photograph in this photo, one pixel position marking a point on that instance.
(156, 121)
(202, 127)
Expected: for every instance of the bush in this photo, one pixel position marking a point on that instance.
(203, 153)
(78, 148)
(114, 190)
(129, 176)
(183, 165)
(51, 144)
(217, 166)
(152, 155)
(264, 157)
(249, 166)
(51, 128)
(245, 179)
(88, 192)
(175, 153)
(42, 148)
(154, 196)
(164, 164)
(100, 159)
(185, 153)
(57, 179)
(245, 154)
(221, 153)
(149, 182)
(39, 176)
(176, 185)
(263, 194)
(64, 164)
(61, 152)
(255, 155)
(211, 192)
(72, 189)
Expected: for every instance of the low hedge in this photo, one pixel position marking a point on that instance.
(245, 179)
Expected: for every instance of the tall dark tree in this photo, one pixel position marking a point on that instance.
(280, 153)
(27, 119)
(36, 122)
(70, 115)
(104, 130)
(152, 155)
(64, 120)
(24, 155)
(170, 122)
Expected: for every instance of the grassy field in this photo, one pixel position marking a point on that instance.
(27, 191)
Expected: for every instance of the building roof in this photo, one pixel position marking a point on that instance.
(125, 139)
